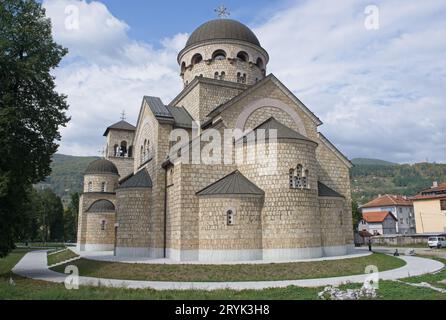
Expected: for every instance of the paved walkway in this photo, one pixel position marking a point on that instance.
(34, 265)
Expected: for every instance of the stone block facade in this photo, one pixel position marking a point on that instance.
(170, 218)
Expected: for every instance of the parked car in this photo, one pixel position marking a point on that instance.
(436, 242)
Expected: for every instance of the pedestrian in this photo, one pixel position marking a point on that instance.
(370, 244)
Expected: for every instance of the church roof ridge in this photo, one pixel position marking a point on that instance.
(120, 125)
(234, 183)
(141, 179)
(325, 191)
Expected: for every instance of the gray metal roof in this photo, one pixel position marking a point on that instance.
(101, 206)
(121, 125)
(176, 115)
(233, 184)
(181, 117)
(139, 180)
(101, 166)
(158, 108)
(222, 29)
(324, 191)
(283, 132)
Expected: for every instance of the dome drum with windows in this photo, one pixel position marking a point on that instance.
(101, 176)
(223, 49)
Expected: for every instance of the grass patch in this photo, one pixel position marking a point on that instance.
(41, 245)
(60, 256)
(240, 272)
(8, 262)
(34, 289)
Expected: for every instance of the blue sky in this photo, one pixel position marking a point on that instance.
(154, 20)
(379, 92)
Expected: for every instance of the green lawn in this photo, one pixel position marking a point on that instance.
(32, 245)
(32, 289)
(240, 272)
(60, 256)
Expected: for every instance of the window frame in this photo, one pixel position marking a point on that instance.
(230, 216)
(443, 205)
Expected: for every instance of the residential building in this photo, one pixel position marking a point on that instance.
(378, 223)
(400, 206)
(430, 209)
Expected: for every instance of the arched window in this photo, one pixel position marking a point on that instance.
(230, 217)
(148, 150)
(123, 149)
(222, 75)
(298, 176)
(197, 58)
(103, 186)
(239, 77)
(291, 178)
(219, 55)
(115, 150)
(90, 186)
(341, 217)
(130, 153)
(141, 154)
(216, 75)
(305, 182)
(259, 63)
(243, 56)
(144, 152)
(102, 225)
(183, 67)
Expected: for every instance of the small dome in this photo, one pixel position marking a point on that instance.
(222, 29)
(101, 166)
(101, 206)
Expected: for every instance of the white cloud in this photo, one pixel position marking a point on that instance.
(107, 72)
(380, 93)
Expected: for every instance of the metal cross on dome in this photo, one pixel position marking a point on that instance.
(123, 115)
(222, 11)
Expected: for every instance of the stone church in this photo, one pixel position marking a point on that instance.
(139, 202)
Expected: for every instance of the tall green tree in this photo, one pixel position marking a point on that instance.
(31, 111)
(70, 218)
(50, 215)
(356, 214)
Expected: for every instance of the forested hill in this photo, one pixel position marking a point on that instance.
(370, 177)
(367, 161)
(369, 180)
(67, 174)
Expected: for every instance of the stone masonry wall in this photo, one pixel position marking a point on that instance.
(111, 182)
(231, 65)
(115, 138)
(124, 165)
(334, 173)
(332, 221)
(215, 233)
(133, 211)
(204, 97)
(85, 201)
(95, 234)
(291, 217)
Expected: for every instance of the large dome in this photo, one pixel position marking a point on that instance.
(101, 166)
(222, 29)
